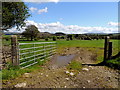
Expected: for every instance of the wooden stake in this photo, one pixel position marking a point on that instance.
(106, 47)
(110, 50)
(15, 50)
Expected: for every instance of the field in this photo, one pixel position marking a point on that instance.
(95, 46)
(75, 74)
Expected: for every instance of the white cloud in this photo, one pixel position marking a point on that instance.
(32, 9)
(41, 1)
(69, 29)
(45, 10)
(113, 23)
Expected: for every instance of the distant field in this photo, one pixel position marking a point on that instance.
(79, 43)
(85, 43)
(88, 44)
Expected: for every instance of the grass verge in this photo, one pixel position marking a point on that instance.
(114, 63)
(13, 72)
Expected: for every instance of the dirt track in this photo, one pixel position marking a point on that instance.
(94, 77)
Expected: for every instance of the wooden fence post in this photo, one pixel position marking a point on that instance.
(110, 50)
(106, 47)
(14, 50)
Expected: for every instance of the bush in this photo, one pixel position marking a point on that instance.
(46, 39)
(54, 38)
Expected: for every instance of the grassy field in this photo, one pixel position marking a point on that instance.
(96, 46)
(87, 44)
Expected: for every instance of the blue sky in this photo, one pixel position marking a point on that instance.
(74, 17)
(77, 13)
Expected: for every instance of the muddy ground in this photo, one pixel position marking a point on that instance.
(54, 75)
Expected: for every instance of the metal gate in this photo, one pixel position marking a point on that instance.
(32, 53)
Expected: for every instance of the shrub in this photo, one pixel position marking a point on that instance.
(54, 38)
(46, 39)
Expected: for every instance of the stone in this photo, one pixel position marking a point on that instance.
(67, 78)
(85, 69)
(67, 72)
(46, 75)
(41, 73)
(109, 77)
(88, 81)
(26, 75)
(19, 85)
(72, 74)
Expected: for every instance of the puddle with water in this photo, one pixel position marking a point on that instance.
(59, 61)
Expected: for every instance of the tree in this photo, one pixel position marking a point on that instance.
(14, 14)
(69, 37)
(54, 38)
(31, 32)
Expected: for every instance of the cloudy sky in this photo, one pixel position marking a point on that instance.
(73, 17)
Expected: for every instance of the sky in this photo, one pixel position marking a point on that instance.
(73, 17)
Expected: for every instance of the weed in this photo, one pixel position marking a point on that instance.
(114, 63)
(74, 65)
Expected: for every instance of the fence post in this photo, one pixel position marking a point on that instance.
(34, 52)
(44, 51)
(110, 50)
(14, 50)
(106, 47)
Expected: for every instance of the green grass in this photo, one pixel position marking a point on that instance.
(85, 43)
(13, 72)
(114, 63)
(75, 65)
(95, 46)
(81, 43)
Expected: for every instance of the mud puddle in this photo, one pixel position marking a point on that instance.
(60, 61)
